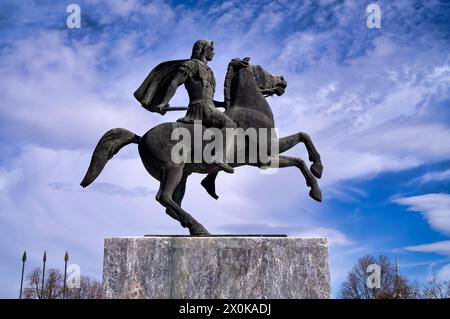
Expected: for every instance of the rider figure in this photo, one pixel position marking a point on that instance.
(200, 84)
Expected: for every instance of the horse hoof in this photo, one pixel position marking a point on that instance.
(210, 187)
(316, 194)
(316, 169)
(199, 230)
(202, 235)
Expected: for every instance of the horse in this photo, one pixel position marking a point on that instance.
(246, 88)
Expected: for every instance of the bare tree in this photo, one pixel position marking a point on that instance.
(54, 283)
(392, 284)
(436, 289)
(89, 289)
(34, 283)
(52, 286)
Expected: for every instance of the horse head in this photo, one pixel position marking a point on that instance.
(247, 77)
(267, 83)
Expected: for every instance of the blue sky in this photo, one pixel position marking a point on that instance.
(375, 102)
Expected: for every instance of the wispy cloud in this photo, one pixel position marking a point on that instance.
(441, 247)
(107, 189)
(432, 177)
(444, 273)
(435, 208)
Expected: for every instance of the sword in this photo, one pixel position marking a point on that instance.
(176, 108)
(169, 109)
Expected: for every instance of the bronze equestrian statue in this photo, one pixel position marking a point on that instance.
(245, 91)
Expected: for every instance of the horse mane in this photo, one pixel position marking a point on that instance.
(227, 84)
(233, 68)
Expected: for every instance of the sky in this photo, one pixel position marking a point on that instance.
(374, 101)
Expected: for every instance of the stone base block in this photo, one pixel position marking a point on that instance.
(216, 267)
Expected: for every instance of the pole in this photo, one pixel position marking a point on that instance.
(24, 259)
(66, 259)
(44, 260)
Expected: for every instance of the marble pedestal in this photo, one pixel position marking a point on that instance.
(216, 267)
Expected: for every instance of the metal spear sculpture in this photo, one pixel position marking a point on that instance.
(24, 259)
(44, 260)
(66, 259)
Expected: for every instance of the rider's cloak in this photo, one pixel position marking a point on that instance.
(154, 88)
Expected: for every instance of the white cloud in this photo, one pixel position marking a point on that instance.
(435, 208)
(444, 273)
(54, 95)
(342, 165)
(441, 247)
(416, 142)
(432, 177)
(123, 8)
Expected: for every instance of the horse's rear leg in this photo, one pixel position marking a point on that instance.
(169, 211)
(171, 178)
(178, 195)
(286, 143)
(287, 161)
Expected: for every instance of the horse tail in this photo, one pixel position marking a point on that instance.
(108, 146)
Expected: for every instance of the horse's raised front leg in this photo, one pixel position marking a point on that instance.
(170, 179)
(286, 143)
(287, 161)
